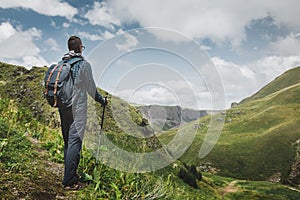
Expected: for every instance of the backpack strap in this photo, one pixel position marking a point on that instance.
(55, 84)
(74, 60)
(74, 69)
(49, 77)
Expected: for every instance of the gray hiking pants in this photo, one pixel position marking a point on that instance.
(72, 134)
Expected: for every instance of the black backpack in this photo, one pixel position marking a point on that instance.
(59, 83)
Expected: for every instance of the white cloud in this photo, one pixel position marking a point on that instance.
(18, 43)
(130, 41)
(18, 47)
(156, 95)
(217, 19)
(205, 48)
(237, 80)
(283, 11)
(66, 25)
(53, 24)
(107, 35)
(45, 7)
(96, 37)
(102, 15)
(225, 66)
(92, 37)
(6, 31)
(169, 92)
(287, 46)
(30, 61)
(241, 81)
(124, 63)
(272, 66)
(52, 44)
(149, 96)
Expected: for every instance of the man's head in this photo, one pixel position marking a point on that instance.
(75, 44)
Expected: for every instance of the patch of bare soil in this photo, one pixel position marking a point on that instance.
(230, 188)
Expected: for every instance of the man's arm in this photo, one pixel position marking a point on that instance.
(90, 84)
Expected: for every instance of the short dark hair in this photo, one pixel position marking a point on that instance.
(74, 44)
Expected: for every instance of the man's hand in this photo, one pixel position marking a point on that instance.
(105, 102)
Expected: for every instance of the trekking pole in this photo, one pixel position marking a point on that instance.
(101, 128)
(102, 117)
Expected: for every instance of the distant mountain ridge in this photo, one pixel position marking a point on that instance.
(163, 118)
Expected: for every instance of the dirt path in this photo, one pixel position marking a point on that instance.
(230, 188)
(294, 189)
(45, 180)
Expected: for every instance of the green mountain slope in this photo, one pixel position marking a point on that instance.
(260, 138)
(31, 149)
(289, 78)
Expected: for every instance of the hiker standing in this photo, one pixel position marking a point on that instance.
(74, 117)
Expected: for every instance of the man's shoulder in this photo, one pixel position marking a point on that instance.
(78, 61)
(84, 64)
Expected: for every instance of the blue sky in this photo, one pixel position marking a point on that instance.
(249, 44)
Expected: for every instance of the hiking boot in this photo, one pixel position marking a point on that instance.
(76, 186)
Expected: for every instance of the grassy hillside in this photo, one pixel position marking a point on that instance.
(31, 149)
(261, 135)
(289, 78)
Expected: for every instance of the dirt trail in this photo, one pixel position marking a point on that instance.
(47, 183)
(230, 188)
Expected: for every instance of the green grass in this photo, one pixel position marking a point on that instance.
(28, 166)
(289, 78)
(25, 172)
(263, 190)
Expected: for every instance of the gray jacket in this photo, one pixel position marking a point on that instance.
(83, 82)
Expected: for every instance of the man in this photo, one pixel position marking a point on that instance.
(73, 118)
